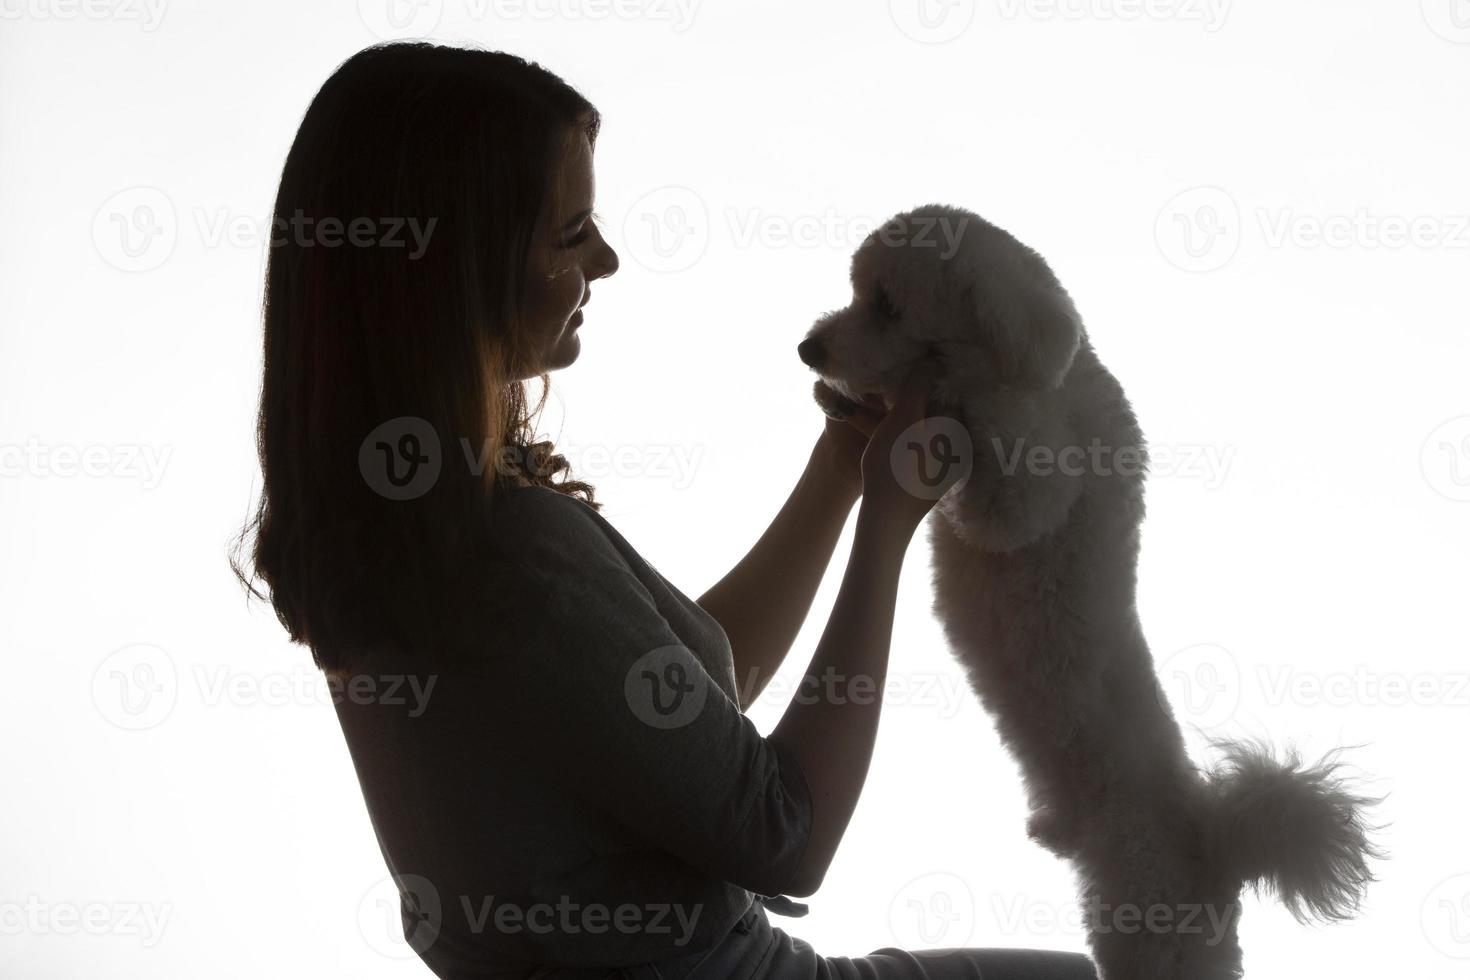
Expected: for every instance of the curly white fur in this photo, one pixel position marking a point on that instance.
(1035, 556)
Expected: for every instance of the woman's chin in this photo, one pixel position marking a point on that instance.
(567, 350)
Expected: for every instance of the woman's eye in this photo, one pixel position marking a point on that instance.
(582, 235)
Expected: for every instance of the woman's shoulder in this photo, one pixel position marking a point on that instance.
(545, 528)
(535, 510)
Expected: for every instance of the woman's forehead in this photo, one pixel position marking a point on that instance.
(575, 175)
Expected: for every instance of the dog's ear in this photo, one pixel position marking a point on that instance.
(1034, 331)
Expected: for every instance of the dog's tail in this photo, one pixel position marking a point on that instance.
(1295, 831)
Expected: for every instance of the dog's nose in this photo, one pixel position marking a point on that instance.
(810, 351)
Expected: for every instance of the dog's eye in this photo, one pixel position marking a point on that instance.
(883, 303)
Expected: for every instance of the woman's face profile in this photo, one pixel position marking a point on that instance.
(569, 252)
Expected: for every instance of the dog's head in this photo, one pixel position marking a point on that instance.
(942, 280)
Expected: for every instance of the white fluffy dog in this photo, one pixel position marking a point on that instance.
(1035, 554)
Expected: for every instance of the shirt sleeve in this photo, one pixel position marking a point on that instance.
(629, 718)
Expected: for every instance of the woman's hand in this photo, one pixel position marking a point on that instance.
(899, 462)
(842, 442)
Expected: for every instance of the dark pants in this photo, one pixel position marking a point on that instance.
(756, 950)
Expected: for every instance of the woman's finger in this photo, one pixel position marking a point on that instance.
(865, 420)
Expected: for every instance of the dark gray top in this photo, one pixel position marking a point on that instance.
(586, 790)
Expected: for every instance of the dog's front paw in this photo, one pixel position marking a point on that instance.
(1044, 826)
(833, 403)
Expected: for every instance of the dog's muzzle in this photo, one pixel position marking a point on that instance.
(811, 352)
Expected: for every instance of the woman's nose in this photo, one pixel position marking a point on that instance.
(607, 262)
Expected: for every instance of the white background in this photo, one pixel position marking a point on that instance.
(1223, 189)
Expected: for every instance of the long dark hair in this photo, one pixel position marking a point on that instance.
(395, 349)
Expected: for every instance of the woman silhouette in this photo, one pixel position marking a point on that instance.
(549, 736)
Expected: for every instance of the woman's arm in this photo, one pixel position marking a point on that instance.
(763, 601)
(832, 723)
(831, 732)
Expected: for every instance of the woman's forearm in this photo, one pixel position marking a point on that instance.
(831, 724)
(763, 601)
